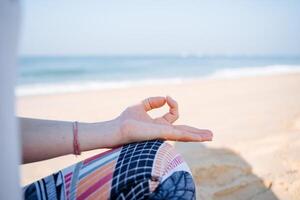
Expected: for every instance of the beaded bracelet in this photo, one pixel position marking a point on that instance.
(76, 146)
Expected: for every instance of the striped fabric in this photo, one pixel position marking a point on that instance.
(144, 170)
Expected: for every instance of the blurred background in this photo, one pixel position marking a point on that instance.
(82, 45)
(233, 66)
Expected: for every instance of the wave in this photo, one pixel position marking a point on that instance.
(255, 71)
(56, 88)
(64, 87)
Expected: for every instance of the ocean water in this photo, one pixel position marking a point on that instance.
(45, 75)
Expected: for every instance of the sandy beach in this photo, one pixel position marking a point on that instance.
(255, 153)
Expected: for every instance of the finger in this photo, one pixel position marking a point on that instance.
(205, 133)
(150, 131)
(133, 131)
(153, 102)
(173, 113)
(187, 136)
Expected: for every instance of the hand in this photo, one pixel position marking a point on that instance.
(136, 125)
(45, 139)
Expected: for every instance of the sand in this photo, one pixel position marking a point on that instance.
(256, 122)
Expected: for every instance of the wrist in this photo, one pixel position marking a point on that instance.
(98, 135)
(112, 137)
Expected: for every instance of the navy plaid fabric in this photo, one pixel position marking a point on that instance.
(133, 170)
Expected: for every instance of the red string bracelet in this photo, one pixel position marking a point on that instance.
(76, 146)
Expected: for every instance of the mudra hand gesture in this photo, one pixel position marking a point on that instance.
(44, 139)
(136, 125)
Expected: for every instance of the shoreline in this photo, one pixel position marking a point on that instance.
(95, 85)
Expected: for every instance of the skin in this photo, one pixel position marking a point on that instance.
(45, 139)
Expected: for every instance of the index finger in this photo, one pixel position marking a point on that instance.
(173, 113)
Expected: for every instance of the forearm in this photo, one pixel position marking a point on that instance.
(45, 139)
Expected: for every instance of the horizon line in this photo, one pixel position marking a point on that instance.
(183, 55)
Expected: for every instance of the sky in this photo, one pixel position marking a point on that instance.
(142, 27)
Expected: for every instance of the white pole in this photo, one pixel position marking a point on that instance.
(9, 138)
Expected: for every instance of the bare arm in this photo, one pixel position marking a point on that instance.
(44, 139)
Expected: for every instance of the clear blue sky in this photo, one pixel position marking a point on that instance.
(97, 27)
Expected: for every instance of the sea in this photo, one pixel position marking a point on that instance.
(39, 75)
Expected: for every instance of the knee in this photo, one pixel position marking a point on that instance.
(168, 160)
(150, 168)
(175, 178)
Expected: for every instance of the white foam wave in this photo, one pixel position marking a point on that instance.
(255, 71)
(57, 88)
